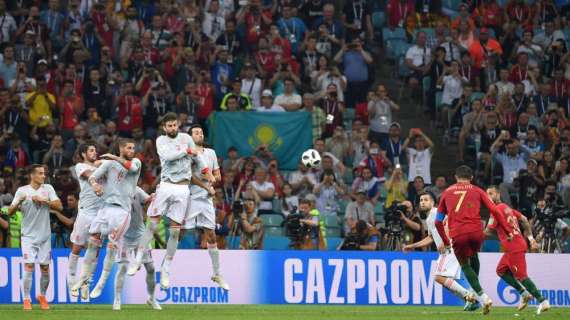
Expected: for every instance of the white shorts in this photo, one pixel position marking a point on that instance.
(128, 251)
(202, 215)
(448, 266)
(172, 200)
(112, 221)
(80, 233)
(36, 252)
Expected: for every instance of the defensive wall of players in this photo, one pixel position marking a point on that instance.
(300, 277)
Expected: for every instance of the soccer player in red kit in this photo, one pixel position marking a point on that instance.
(461, 203)
(512, 266)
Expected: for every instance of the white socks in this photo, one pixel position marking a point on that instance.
(456, 288)
(171, 246)
(44, 282)
(27, 283)
(215, 257)
(150, 282)
(72, 268)
(107, 265)
(120, 279)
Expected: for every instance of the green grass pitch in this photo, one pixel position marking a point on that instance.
(278, 312)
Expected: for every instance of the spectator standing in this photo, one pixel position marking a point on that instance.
(355, 61)
(380, 110)
(419, 157)
(360, 209)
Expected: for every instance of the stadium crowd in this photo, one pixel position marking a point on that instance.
(494, 76)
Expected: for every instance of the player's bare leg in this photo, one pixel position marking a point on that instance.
(215, 257)
(107, 267)
(150, 286)
(27, 285)
(171, 246)
(147, 236)
(89, 262)
(44, 284)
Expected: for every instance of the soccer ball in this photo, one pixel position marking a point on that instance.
(311, 158)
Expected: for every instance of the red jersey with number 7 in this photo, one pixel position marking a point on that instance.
(518, 243)
(461, 203)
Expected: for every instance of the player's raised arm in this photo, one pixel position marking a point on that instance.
(486, 200)
(441, 213)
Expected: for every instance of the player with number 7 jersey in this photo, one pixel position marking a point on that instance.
(461, 203)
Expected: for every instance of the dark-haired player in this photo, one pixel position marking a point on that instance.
(512, 266)
(461, 203)
(35, 200)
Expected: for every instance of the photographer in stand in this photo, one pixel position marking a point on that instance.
(250, 226)
(364, 237)
(402, 226)
(552, 232)
(305, 229)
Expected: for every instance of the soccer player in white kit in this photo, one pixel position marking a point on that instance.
(128, 248)
(35, 200)
(177, 151)
(202, 210)
(448, 268)
(89, 205)
(121, 176)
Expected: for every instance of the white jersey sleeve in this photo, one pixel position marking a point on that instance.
(168, 151)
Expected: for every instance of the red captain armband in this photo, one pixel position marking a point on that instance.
(205, 170)
(189, 151)
(127, 165)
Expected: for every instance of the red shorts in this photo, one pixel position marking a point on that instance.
(467, 245)
(514, 262)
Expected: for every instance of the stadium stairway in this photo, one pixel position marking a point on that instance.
(412, 116)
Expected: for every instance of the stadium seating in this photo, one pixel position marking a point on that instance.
(272, 220)
(275, 243)
(491, 246)
(274, 231)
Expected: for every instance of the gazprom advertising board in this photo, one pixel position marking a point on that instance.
(297, 277)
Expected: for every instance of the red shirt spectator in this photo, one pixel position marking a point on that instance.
(257, 21)
(205, 94)
(129, 110)
(519, 72)
(488, 14)
(519, 12)
(70, 107)
(398, 12)
(484, 48)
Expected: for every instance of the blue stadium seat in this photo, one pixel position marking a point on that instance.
(331, 221)
(188, 241)
(333, 243)
(379, 208)
(333, 232)
(275, 243)
(342, 207)
(274, 231)
(378, 20)
(348, 177)
(395, 40)
(233, 243)
(491, 246)
(276, 206)
(271, 220)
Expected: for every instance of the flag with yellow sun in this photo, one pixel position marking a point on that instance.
(285, 134)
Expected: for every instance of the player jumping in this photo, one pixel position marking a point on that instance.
(122, 174)
(448, 269)
(35, 201)
(127, 251)
(461, 203)
(202, 211)
(512, 266)
(89, 205)
(176, 151)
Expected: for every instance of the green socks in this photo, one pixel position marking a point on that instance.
(510, 279)
(531, 287)
(472, 278)
(474, 262)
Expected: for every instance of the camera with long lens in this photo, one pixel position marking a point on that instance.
(393, 219)
(237, 209)
(549, 215)
(294, 230)
(353, 241)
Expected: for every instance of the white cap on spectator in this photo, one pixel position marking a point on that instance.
(30, 32)
(311, 197)
(395, 124)
(267, 93)
(44, 61)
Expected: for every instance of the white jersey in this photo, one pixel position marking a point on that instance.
(210, 160)
(137, 228)
(431, 229)
(89, 202)
(120, 184)
(35, 224)
(176, 164)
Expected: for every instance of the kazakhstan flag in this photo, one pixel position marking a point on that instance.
(286, 134)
